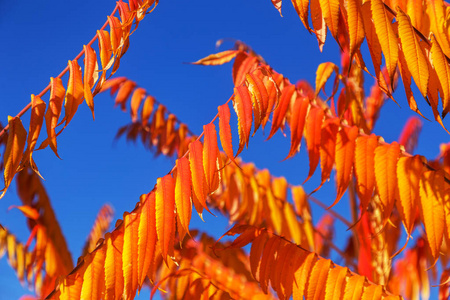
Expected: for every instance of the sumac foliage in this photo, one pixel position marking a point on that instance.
(399, 203)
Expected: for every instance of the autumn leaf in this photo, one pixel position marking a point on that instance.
(225, 131)
(14, 150)
(330, 11)
(312, 137)
(74, 93)
(355, 25)
(318, 22)
(90, 75)
(385, 163)
(242, 104)
(183, 190)
(386, 36)
(146, 236)
(432, 209)
(301, 6)
(165, 207)
(415, 58)
(409, 172)
(298, 118)
(345, 149)
(218, 58)
(36, 120)
(57, 93)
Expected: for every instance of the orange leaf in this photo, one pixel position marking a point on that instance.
(312, 136)
(136, 99)
(272, 86)
(373, 292)
(415, 10)
(277, 5)
(293, 225)
(217, 58)
(146, 236)
(328, 148)
(124, 93)
(147, 109)
(267, 261)
(243, 64)
(302, 275)
(317, 279)
(256, 251)
(298, 118)
(330, 11)
(355, 25)
(386, 157)
(198, 175)
(301, 6)
(211, 158)
(345, 149)
(130, 253)
(165, 221)
(336, 282)
(57, 93)
(113, 84)
(406, 78)
(115, 32)
(318, 22)
(409, 171)
(225, 131)
(75, 91)
(437, 14)
(27, 211)
(355, 287)
(410, 133)
(415, 58)
(374, 46)
(323, 73)
(386, 36)
(276, 276)
(37, 118)
(15, 145)
(183, 192)
(94, 277)
(287, 271)
(443, 73)
(242, 104)
(113, 265)
(104, 44)
(432, 209)
(279, 114)
(90, 75)
(260, 98)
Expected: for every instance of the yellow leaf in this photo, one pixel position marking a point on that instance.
(330, 11)
(130, 254)
(386, 36)
(442, 68)
(355, 25)
(432, 210)
(113, 265)
(301, 6)
(335, 283)
(415, 58)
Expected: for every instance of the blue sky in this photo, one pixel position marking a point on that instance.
(39, 37)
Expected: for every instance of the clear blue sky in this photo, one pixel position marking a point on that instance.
(39, 37)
